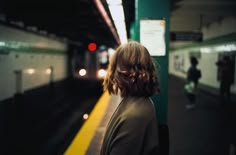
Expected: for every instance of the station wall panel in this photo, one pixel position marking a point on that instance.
(44, 61)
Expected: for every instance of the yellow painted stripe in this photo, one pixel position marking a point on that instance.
(82, 140)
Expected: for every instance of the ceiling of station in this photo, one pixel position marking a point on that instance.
(79, 21)
(192, 15)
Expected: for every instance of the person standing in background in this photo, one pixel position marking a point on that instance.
(226, 77)
(193, 76)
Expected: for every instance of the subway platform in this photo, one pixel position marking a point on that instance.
(208, 129)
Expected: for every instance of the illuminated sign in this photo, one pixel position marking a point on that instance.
(186, 36)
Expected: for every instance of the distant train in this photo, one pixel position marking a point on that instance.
(91, 65)
(207, 53)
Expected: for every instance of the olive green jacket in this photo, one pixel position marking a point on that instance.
(132, 129)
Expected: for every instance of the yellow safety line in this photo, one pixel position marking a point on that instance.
(82, 140)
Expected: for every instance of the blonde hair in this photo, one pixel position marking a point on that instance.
(132, 71)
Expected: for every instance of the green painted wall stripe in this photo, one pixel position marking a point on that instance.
(7, 50)
(217, 40)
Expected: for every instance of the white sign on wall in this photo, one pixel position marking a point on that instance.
(152, 36)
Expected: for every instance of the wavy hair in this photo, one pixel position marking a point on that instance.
(131, 71)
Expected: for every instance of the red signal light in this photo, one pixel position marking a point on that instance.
(92, 47)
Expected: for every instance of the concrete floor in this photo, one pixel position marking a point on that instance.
(208, 129)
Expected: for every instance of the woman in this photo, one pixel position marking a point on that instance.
(132, 129)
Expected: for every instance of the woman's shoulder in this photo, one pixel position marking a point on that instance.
(140, 108)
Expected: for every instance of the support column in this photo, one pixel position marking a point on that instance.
(160, 10)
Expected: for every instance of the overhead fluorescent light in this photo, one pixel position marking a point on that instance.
(118, 17)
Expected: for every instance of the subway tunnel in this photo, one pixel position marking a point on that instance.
(54, 56)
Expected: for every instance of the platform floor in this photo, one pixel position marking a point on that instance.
(208, 129)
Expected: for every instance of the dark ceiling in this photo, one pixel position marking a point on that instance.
(193, 15)
(79, 21)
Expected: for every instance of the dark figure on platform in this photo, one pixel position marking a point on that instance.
(226, 77)
(193, 76)
(133, 128)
